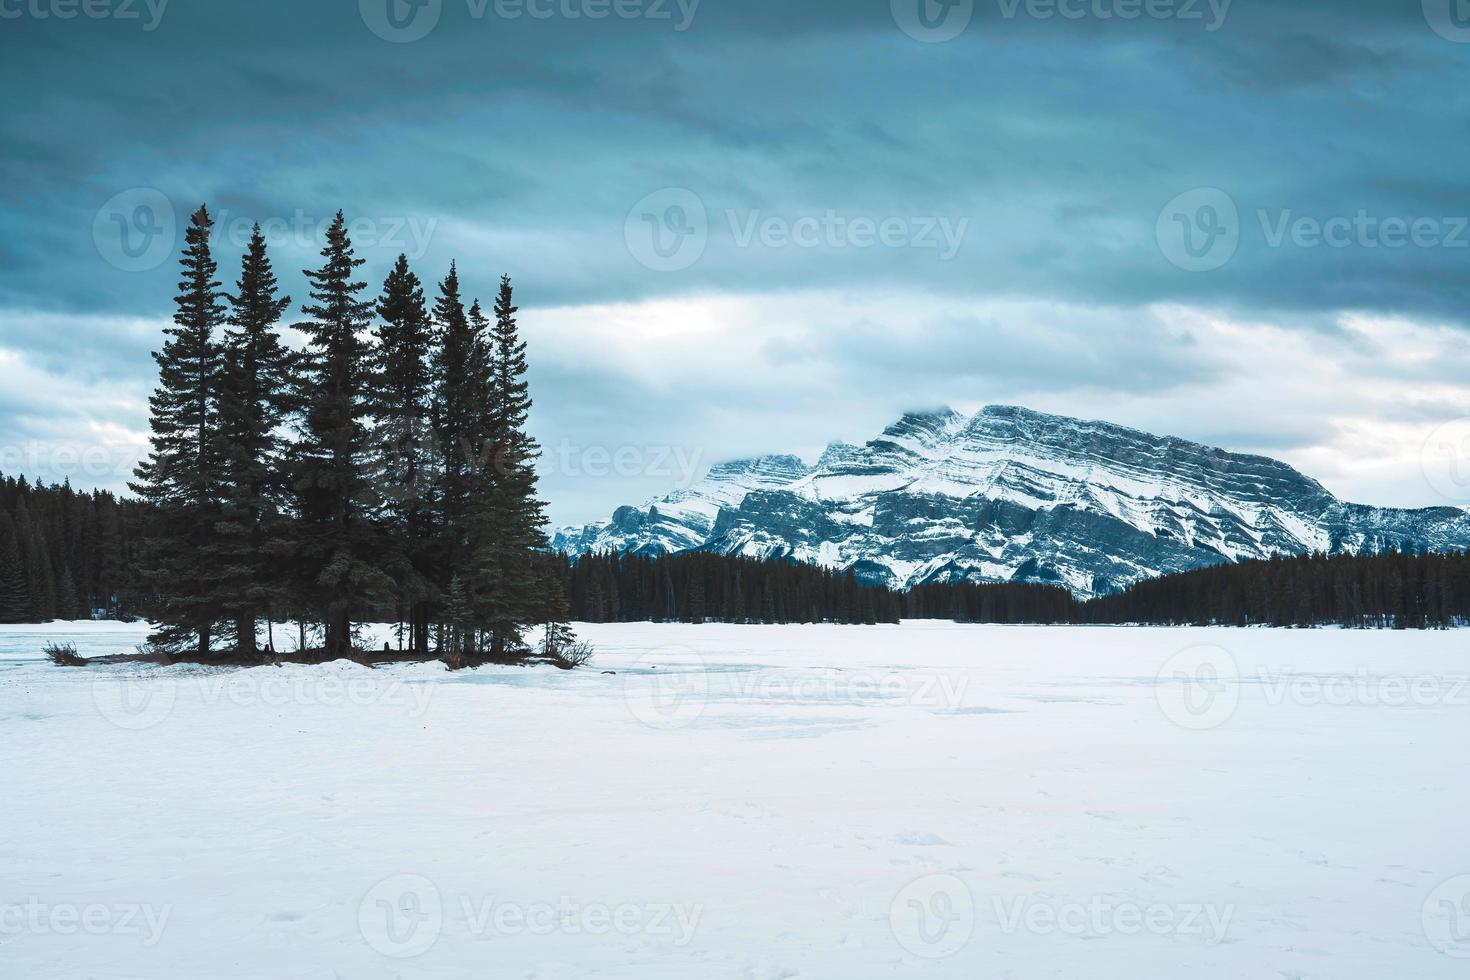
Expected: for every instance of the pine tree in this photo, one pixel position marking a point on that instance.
(15, 599)
(68, 602)
(556, 612)
(454, 420)
(180, 477)
(257, 394)
(509, 515)
(404, 466)
(458, 626)
(336, 558)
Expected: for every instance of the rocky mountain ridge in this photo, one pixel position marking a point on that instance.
(1009, 494)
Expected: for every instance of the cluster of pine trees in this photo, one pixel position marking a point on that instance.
(699, 587)
(385, 465)
(63, 554)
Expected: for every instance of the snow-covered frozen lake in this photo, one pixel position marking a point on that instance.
(929, 800)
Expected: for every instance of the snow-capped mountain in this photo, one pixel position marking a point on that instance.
(1014, 495)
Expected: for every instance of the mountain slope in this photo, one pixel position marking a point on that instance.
(1014, 495)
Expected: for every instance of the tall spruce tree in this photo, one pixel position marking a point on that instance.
(337, 559)
(180, 478)
(256, 397)
(509, 516)
(404, 467)
(454, 420)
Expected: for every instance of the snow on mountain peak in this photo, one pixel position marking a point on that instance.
(1013, 494)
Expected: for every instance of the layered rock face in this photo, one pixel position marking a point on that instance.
(1014, 495)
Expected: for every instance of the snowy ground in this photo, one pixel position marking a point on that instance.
(928, 800)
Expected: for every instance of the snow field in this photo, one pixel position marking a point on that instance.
(927, 800)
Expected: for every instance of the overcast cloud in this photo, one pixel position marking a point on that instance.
(759, 226)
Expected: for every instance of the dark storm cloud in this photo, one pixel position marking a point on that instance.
(1077, 152)
(1059, 139)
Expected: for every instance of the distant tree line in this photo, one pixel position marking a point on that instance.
(700, 587)
(1400, 591)
(386, 465)
(1392, 590)
(63, 554)
(1006, 602)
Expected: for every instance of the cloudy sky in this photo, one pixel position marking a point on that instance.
(759, 226)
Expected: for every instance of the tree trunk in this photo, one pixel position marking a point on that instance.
(421, 628)
(245, 634)
(339, 632)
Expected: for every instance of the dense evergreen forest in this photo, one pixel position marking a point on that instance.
(1426, 591)
(63, 554)
(1387, 590)
(696, 587)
